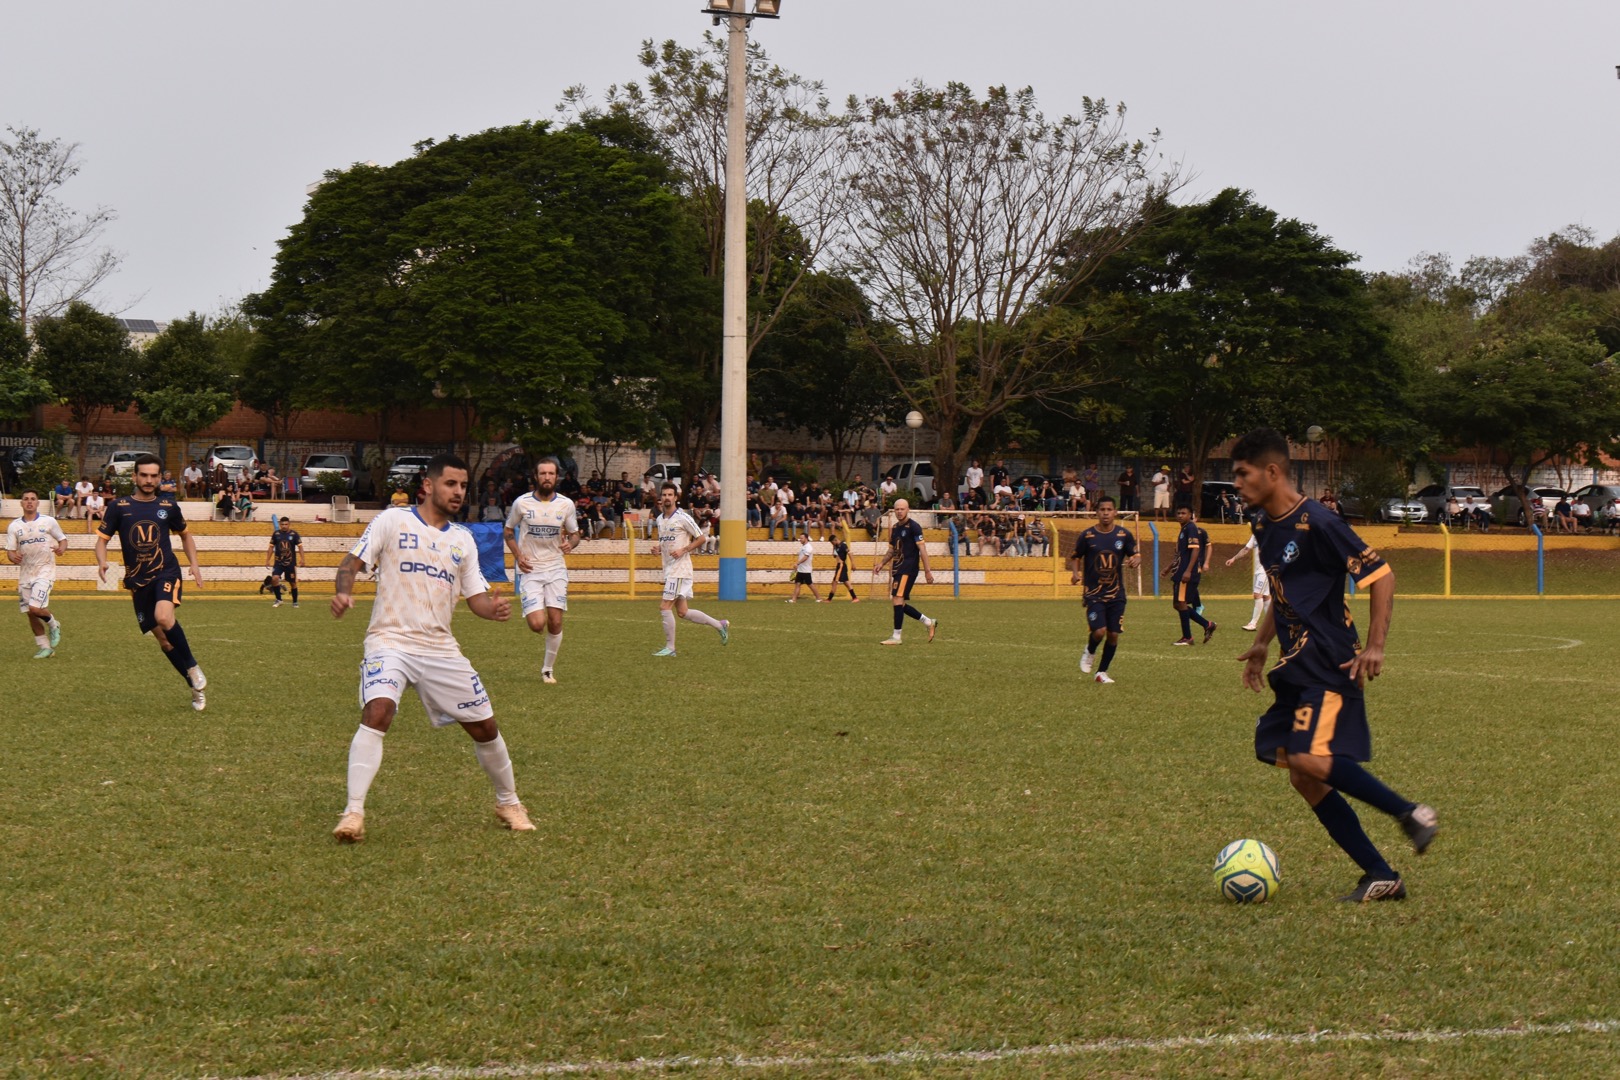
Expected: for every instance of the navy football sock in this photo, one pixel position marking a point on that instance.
(1197, 618)
(913, 612)
(1339, 819)
(1092, 643)
(1186, 624)
(899, 618)
(179, 652)
(1108, 656)
(277, 590)
(295, 594)
(1349, 777)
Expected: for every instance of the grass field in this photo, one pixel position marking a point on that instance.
(802, 850)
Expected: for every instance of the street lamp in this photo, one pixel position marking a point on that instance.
(734, 320)
(914, 420)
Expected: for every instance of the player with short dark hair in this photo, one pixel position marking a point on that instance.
(840, 549)
(283, 558)
(1192, 557)
(908, 552)
(1317, 727)
(425, 564)
(1100, 555)
(678, 537)
(143, 523)
(35, 542)
(541, 529)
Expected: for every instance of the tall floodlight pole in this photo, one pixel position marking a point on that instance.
(734, 320)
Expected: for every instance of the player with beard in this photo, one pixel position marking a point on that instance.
(143, 523)
(541, 529)
(425, 563)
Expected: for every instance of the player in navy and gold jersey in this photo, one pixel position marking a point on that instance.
(908, 552)
(283, 558)
(1192, 559)
(1317, 727)
(1100, 556)
(143, 522)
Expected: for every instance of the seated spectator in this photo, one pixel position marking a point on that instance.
(1051, 498)
(81, 491)
(1039, 537)
(1583, 515)
(1564, 515)
(219, 480)
(168, 485)
(777, 518)
(1018, 536)
(1476, 514)
(62, 500)
(225, 507)
(244, 505)
(649, 490)
(1001, 497)
(888, 489)
(491, 510)
(399, 498)
(192, 477)
(1331, 501)
(947, 501)
(1611, 516)
(1452, 514)
(1025, 495)
(95, 509)
(989, 536)
(871, 515)
(1078, 503)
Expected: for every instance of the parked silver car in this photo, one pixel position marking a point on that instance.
(1408, 511)
(1434, 498)
(1505, 504)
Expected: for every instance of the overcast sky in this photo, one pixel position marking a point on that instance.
(1395, 127)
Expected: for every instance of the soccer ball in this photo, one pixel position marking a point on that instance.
(1246, 872)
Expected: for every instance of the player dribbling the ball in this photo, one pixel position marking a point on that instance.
(1317, 727)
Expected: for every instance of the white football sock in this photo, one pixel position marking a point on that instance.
(42, 640)
(497, 764)
(365, 758)
(694, 615)
(669, 628)
(1259, 610)
(553, 643)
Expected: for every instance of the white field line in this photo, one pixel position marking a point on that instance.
(958, 1057)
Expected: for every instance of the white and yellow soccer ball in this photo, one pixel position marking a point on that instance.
(1247, 872)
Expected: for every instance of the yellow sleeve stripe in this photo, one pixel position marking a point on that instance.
(1382, 571)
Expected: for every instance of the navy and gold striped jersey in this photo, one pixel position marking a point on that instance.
(1191, 544)
(1307, 553)
(1102, 555)
(906, 540)
(143, 530)
(285, 545)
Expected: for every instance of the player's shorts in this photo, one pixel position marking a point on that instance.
(1262, 584)
(901, 581)
(537, 592)
(678, 588)
(286, 571)
(451, 691)
(1312, 721)
(803, 577)
(1161, 500)
(146, 598)
(1105, 615)
(842, 573)
(34, 594)
(1187, 593)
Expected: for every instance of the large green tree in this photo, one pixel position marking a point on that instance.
(1222, 315)
(502, 269)
(187, 385)
(815, 372)
(21, 387)
(972, 221)
(87, 358)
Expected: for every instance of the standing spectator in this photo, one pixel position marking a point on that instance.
(999, 475)
(1184, 488)
(1093, 482)
(974, 479)
(1161, 492)
(193, 478)
(626, 492)
(1127, 488)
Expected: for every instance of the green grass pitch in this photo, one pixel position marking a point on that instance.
(801, 849)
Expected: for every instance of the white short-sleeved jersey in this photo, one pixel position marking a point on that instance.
(422, 573)
(37, 541)
(539, 526)
(676, 530)
(806, 557)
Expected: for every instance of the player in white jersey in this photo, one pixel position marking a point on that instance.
(1262, 584)
(678, 537)
(33, 542)
(541, 530)
(425, 564)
